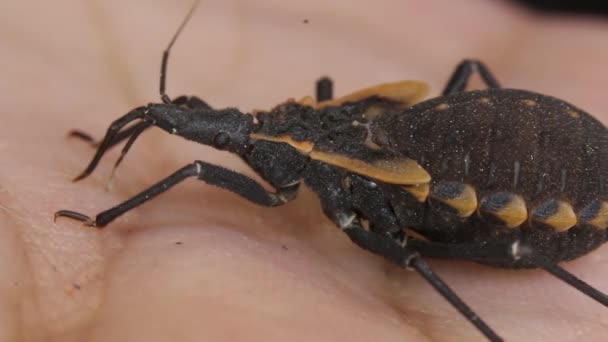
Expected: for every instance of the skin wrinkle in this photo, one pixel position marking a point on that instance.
(153, 289)
(12, 283)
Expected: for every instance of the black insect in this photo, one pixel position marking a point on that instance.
(470, 175)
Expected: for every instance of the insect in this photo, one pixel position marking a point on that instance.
(504, 177)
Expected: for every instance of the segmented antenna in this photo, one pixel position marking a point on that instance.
(163, 67)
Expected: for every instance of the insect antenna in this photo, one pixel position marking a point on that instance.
(116, 136)
(163, 67)
(137, 129)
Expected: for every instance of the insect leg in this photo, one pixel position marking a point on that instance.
(209, 173)
(461, 75)
(337, 203)
(325, 89)
(500, 251)
(560, 273)
(385, 246)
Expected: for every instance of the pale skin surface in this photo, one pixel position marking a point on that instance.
(242, 272)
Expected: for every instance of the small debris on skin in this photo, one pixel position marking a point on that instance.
(179, 243)
(76, 286)
(305, 21)
(283, 247)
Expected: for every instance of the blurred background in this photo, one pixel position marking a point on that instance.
(590, 7)
(237, 52)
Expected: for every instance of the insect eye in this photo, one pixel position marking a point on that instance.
(221, 140)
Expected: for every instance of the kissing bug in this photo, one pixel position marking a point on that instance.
(469, 175)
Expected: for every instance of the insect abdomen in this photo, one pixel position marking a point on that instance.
(508, 163)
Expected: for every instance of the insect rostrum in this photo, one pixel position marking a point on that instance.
(504, 177)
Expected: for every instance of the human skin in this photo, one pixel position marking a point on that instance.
(201, 264)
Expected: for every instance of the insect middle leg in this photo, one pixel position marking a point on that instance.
(463, 72)
(209, 173)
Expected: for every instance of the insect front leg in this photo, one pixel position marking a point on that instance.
(463, 72)
(209, 173)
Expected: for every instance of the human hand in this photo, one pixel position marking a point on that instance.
(199, 263)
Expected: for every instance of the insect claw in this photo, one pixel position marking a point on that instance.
(87, 221)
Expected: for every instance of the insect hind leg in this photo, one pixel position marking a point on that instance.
(515, 251)
(563, 275)
(463, 72)
(385, 246)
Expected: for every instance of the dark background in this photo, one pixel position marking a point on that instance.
(589, 7)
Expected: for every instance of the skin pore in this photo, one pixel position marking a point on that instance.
(199, 263)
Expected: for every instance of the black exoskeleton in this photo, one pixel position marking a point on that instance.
(467, 175)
